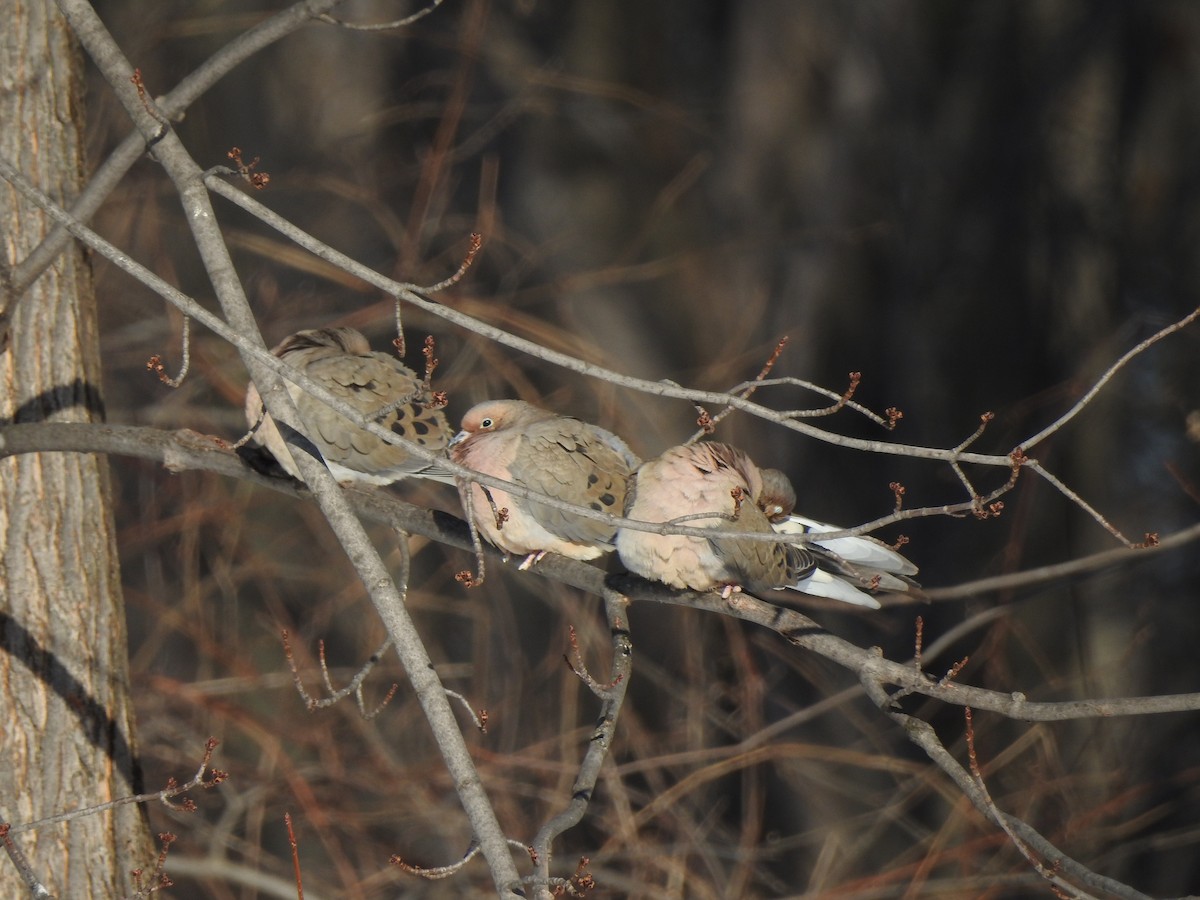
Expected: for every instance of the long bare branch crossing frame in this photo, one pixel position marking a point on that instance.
(344, 507)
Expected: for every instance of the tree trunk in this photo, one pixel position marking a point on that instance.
(66, 725)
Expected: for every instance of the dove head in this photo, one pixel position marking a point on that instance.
(498, 415)
(493, 415)
(339, 340)
(778, 497)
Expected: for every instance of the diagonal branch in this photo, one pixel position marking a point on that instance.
(1107, 376)
(188, 180)
(105, 179)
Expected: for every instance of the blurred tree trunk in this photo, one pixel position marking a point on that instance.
(66, 729)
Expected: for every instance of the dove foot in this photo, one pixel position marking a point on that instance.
(531, 560)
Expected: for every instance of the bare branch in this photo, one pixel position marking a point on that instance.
(113, 170)
(384, 26)
(187, 178)
(205, 778)
(21, 863)
(1112, 370)
(923, 735)
(612, 695)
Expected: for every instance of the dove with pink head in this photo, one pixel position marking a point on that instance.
(562, 457)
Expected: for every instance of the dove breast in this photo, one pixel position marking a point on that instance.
(559, 456)
(680, 487)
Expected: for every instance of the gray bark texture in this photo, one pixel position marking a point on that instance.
(66, 722)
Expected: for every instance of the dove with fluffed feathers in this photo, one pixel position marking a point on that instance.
(379, 386)
(559, 456)
(694, 479)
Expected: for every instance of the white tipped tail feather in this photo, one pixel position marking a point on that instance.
(705, 478)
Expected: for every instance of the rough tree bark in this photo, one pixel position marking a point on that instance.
(66, 723)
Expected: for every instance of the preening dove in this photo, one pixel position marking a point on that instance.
(703, 478)
(558, 456)
(379, 386)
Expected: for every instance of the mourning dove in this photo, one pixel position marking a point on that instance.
(380, 387)
(558, 456)
(703, 478)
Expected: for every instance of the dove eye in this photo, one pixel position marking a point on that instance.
(486, 423)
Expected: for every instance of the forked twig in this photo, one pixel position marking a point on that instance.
(165, 796)
(576, 664)
(841, 401)
(245, 170)
(708, 423)
(159, 880)
(334, 695)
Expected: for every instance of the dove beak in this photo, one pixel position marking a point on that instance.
(457, 439)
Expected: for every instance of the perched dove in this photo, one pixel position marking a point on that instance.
(558, 456)
(382, 388)
(703, 478)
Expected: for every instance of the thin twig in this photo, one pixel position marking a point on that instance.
(354, 686)
(1000, 819)
(1106, 377)
(616, 604)
(287, 820)
(434, 873)
(1079, 501)
(479, 718)
(575, 663)
(158, 878)
(165, 796)
(708, 423)
(472, 250)
(465, 577)
(155, 364)
(383, 26)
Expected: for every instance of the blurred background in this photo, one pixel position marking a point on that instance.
(979, 206)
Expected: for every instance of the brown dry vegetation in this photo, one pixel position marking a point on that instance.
(978, 206)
